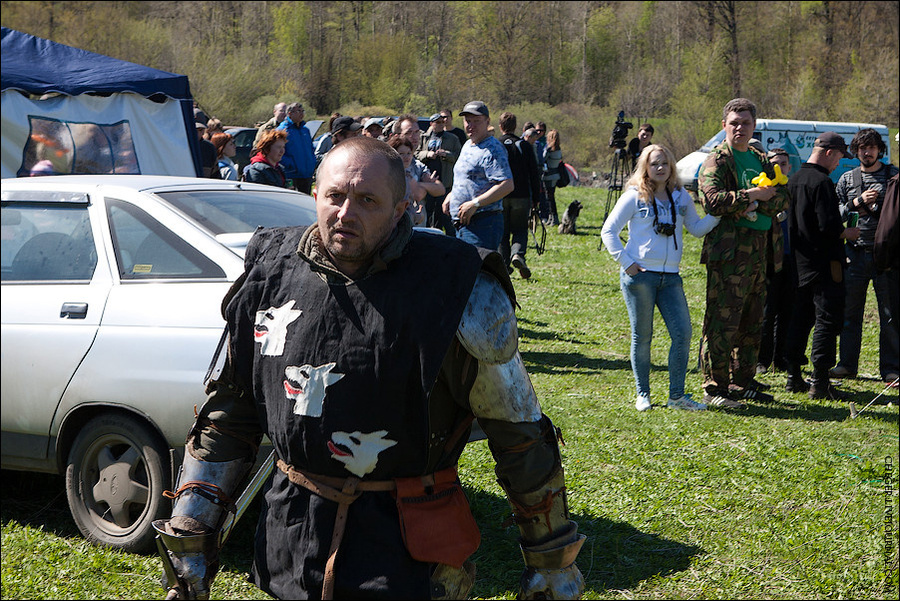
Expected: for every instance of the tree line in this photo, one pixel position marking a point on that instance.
(574, 64)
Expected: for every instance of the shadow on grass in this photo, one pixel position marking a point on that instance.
(37, 500)
(615, 556)
(815, 412)
(550, 363)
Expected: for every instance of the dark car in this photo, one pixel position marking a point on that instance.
(244, 137)
(243, 141)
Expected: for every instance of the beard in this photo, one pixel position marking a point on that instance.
(868, 161)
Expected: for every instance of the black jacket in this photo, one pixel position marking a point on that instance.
(522, 161)
(815, 223)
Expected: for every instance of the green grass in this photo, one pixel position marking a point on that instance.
(782, 501)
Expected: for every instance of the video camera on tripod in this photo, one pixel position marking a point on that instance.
(618, 170)
(620, 131)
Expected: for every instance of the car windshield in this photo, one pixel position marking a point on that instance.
(241, 211)
(714, 141)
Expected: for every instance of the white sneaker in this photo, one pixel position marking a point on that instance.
(643, 403)
(687, 403)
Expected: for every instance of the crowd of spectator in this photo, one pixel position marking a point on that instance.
(768, 285)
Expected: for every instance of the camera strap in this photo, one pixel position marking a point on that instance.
(671, 208)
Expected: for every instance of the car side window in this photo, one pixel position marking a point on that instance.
(47, 242)
(145, 249)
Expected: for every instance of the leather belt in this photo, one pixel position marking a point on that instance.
(342, 491)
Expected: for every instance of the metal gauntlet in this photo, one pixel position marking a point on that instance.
(189, 541)
(549, 541)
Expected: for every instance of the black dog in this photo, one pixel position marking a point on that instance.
(568, 221)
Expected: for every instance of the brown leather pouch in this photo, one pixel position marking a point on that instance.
(437, 524)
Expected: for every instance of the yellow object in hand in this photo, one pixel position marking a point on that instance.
(762, 180)
(780, 178)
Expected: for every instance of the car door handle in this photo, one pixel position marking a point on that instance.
(74, 310)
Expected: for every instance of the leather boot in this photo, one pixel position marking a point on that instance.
(795, 381)
(822, 389)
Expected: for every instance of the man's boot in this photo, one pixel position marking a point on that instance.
(822, 389)
(795, 381)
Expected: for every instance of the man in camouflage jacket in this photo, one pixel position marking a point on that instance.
(735, 254)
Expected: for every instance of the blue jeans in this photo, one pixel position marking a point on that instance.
(644, 291)
(484, 230)
(859, 272)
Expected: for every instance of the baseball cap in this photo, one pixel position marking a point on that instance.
(370, 122)
(774, 152)
(435, 117)
(830, 139)
(345, 124)
(476, 107)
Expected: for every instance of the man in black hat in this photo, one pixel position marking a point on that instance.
(343, 128)
(817, 237)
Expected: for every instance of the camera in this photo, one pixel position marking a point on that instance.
(664, 229)
(620, 132)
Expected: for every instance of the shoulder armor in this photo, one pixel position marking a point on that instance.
(487, 329)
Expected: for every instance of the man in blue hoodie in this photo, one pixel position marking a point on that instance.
(299, 159)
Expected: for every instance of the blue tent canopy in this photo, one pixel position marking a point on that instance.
(38, 66)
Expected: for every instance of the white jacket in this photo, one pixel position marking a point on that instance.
(652, 251)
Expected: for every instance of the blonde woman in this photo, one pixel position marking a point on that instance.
(655, 208)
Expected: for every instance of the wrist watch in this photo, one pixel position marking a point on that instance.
(477, 204)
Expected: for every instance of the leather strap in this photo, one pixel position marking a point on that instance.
(340, 522)
(344, 491)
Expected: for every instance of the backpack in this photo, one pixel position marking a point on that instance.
(564, 179)
(518, 167)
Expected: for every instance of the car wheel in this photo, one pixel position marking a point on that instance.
(117, 470)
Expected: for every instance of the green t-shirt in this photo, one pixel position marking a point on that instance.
(748, 167)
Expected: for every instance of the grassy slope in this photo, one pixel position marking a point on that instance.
(782, 501)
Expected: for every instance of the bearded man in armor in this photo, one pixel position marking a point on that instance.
(368, 403)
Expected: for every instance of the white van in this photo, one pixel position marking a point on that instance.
(797, 137)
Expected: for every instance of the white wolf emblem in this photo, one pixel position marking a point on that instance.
(271, 328)
(306, 385)
(357, 451)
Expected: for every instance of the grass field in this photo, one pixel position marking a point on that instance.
(792, 500)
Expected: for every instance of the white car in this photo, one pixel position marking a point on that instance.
(111, 314)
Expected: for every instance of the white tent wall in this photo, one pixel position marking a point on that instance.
(157, 130)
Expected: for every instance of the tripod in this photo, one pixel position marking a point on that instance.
(617, 172)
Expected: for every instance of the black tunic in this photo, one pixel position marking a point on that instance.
(342, 376)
